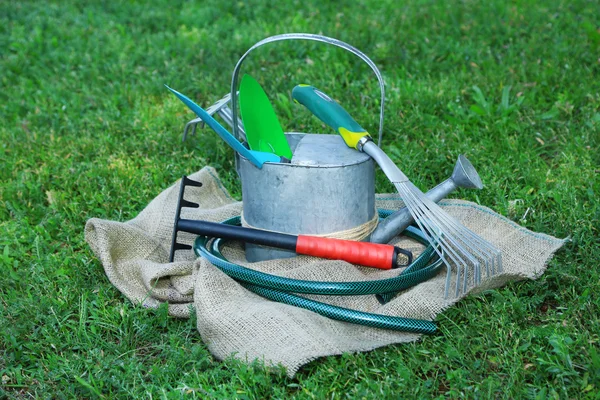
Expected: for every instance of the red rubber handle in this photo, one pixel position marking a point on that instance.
(367, 254)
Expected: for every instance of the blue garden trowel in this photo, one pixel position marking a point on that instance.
(258, 158)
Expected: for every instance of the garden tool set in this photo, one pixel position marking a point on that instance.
(456, 244)
(258, 158)
(314, 194)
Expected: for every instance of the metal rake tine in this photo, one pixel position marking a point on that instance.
(492, 255)
(486, 251)
(219, 104)
(500, 267)
(456, 233)
(188, 204)
(438, 247)
(477, 254)
(483, 249)
(181, 246)
(214, 108)
(452, 237)
(418, 218)
(193, 123)
(497, 261)
(416, 207)
(185, 181)
(459, 262)
(190, 182)
(227, 116)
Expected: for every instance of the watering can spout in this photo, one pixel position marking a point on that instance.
(463, 176)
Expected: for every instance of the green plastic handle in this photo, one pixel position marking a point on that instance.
(330, 112)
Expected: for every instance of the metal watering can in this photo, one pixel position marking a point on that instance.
(328, 189)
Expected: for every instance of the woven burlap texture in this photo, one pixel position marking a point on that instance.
(233, 321)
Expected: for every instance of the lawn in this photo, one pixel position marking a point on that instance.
(88, 130)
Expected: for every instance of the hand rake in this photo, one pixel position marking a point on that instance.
(382, 256)
(458, 247)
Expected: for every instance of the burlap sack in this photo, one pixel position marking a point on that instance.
(235, 321)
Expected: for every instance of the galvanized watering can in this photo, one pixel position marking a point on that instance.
(328, 188)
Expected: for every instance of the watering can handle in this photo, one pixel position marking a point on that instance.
(303, 36)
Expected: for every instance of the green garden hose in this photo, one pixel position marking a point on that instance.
(281, 289)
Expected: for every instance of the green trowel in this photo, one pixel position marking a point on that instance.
(263, 131)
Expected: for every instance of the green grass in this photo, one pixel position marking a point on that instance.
(88, 130)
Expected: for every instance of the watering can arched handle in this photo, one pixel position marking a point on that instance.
(303, 36)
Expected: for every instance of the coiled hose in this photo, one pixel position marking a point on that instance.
(282, 289)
